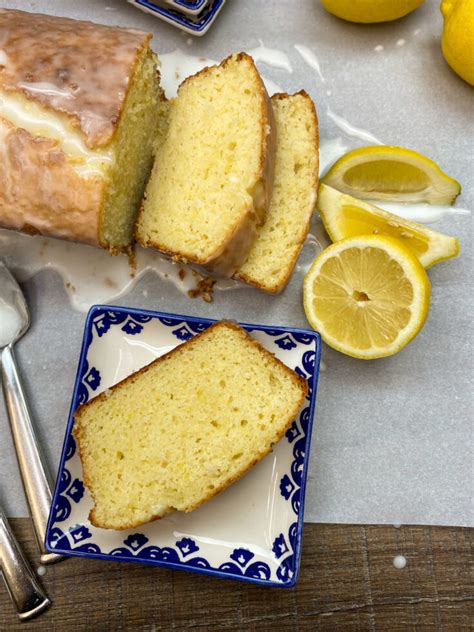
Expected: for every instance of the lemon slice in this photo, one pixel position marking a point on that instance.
(392, 173)
(343, 216)
(368, 296)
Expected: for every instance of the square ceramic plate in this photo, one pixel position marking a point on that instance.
(252, 530)
(192, 24)
(190, 7)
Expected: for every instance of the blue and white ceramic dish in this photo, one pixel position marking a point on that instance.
(193, 24)
(252, 530)
(189, 7)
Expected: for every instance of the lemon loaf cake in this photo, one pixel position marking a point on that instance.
(211, 183)
(183, 428)
(274, 252)
(80, 105)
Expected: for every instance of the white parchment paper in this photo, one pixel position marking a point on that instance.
(393, 438)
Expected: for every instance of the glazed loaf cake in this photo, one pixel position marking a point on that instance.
(212, 179)
(273, 255)
(80, 109)
(182, 429)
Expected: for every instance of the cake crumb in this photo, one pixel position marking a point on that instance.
(182, 273)
(203, 289)
(132, 262)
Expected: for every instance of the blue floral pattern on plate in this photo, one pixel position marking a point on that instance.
(69, 530)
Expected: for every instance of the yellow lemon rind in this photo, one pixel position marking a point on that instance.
(408, 261)
(441, 247)
(442, 189)
(370, 13)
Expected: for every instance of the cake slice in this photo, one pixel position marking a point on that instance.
(273, 255)
(80, 110)
(183, 428)
(211, 182)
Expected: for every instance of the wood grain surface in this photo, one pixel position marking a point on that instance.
(347, 582)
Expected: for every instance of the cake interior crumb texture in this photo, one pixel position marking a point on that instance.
(183, 428)
(273, 255)
(144, 112)
(209, 170)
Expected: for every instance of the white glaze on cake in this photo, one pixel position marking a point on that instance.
(87, 65)
(63, 85)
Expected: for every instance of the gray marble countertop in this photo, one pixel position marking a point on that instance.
(393, 438)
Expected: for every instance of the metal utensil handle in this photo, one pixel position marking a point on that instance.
(30, 459)
(25, 591)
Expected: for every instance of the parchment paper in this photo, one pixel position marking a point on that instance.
(393, 438)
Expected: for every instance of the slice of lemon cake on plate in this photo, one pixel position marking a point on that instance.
(183, 428)
(274, 252)
(212, 179)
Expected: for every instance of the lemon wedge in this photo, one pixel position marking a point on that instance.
(368, 296)
(344, 216)
(392, 173)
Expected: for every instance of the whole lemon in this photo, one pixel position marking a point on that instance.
(368, 11)
(457, 42)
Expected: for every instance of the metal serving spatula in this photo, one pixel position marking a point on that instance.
(14, 322)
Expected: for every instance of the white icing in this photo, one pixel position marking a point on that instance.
(311, 59)
(10, 323)
(399, 561)
(3, 58)
(270, 57)
(352, 130)
(39, 121)
(422, 213)
(176, 66)
(90, 275)
(379, 48)
(43, 87)
(401, 42)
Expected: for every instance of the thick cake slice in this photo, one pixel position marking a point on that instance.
(274, 252)
(80, 108)
(211, 182)
(182, 429)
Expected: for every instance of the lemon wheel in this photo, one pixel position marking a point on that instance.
(368, 296)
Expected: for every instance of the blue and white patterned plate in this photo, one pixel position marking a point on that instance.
(197, 24)
(252, 530)
(190, 7)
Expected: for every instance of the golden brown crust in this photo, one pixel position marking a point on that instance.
(225, 261)
(275, 288)
(78, 69)
(297, 380)
(41, 192)
(81, 73)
